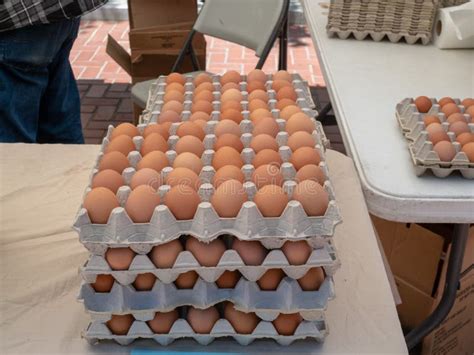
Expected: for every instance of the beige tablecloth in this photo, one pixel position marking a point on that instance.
(41, 187)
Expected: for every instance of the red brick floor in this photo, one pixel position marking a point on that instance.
(105, 88)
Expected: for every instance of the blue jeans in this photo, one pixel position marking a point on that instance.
(39, 99)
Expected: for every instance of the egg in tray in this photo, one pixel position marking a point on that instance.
(221, 210)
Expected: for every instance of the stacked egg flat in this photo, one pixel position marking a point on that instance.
(440, 133)
(214, 219)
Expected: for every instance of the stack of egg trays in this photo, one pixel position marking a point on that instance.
(411, 20)
(421, 148)
(448, 3)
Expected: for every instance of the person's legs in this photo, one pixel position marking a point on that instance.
(60, 117)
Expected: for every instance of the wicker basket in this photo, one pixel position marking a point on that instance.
(411, 20)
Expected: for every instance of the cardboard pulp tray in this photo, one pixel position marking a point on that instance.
(325, 257)
(97, 330)
(378, 36)
(206, 225)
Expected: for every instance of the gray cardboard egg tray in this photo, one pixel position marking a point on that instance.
(378, 36)
(249, 224)
(98, 330)
(421, 148)
(246, 297)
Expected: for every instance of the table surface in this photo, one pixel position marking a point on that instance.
(40, 191)
(365, 80)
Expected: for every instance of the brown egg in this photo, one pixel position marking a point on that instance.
(260, 113)
(190, 129)
(300, 139)
(277, 85)
(183, 176)
(310, 172)
(299, 122)
(204, 95)
(233, 115)
(429, 119)
(235, 105)
(266, 125)
(227, 172)
(207, 254)
(164, 255)
(286, 324)
(445, 150)
(438, 136)
(230, 85)
(256, 75)
(270, 280)
(263, 141)
(255, 85)
(283, 75)
(190, 144)
(445, 100)
(144, 282)
(99, 203)
(289, 111)
(228, 198)
(114, 161)
(205, 86)
(231, 76)
(154, 160)
(258, 94)
(228, 279)
(176, 78)
(456, 117)
(287, 92)
(153, 142)
(119, 258)
(256, 104)
(281, 104)
(423, 104)
(169, 116)
(229, 140)
(125, 128)
(459, 127)
(202, 320)
(312, 196)
(188, 160)
(199, 116)
(434, 127)
(141, 203)
(163, 321)
(120, 324)
(267, 156)
(186, 280)
(202, 78)
(267, 175)
(243, 323)
(470, 112)
(227, 126)
(312, 280)
(173, 95)
(304, 156)
(467, 102)
(175, 87)
(110, 179)
(123, 144)
(182, 201)
(103, 283)
(297, 252)
(449, 109)
(271, 200)
(202, 106)
(468, 149)
(162, 129)
(227, 156)
(202, 124)
(465, 138)
(175, 106)
(252, 252)
(231, 95)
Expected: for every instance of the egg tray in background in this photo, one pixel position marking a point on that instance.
(230, 260)
(421, 149)
(246, 297)
(249, 224)
(98, 330)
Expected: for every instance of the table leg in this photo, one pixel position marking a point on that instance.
(458, 245)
